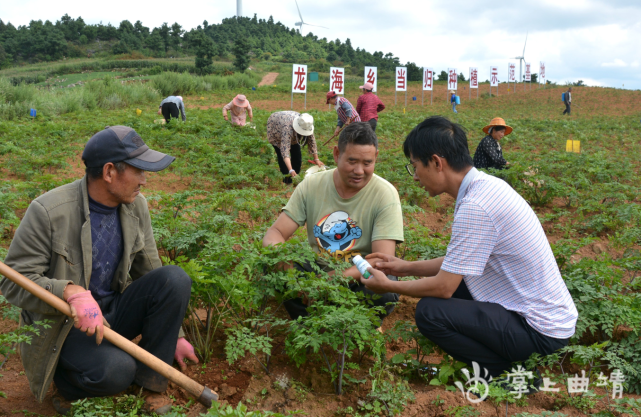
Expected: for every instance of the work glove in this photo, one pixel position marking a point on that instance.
(184, 350)
(86, 314)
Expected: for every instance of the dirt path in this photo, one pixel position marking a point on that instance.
(268, 79)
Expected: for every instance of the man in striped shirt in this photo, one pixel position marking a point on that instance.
(344, 109)
(497, 296)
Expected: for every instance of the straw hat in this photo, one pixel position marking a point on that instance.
(452, 91)
(240, 101)
(304, 124)
(497, 121)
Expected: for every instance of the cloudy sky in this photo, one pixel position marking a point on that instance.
(597, 41)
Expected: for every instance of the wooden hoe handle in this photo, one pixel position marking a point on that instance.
(204, 394)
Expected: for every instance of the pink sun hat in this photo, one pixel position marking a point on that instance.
(367, 86)
(240, 101)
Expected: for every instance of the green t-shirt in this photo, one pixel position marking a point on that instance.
(345, 227)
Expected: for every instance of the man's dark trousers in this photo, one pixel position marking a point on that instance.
(486, 333)
(152, 306)
(373, 123)
(296, 308)
(170, 110)
(568, 108)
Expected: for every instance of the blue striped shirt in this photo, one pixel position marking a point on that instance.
(500, 248)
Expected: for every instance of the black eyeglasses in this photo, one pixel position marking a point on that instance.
(410, 169)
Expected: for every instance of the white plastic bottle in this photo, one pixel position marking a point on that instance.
(362, 266)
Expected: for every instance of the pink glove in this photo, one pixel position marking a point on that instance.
(86, 314)
(184, 350)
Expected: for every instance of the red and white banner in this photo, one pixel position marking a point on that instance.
(474, 77)
(542, 73)
(299, 78)
(528, 73)
(494, 76)
(452, 79)
(337, 80)
(511, 72)
(428, 79)
(371, 76)
(401, 78)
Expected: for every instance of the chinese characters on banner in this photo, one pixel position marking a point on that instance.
(542, 73)
(299, 78)
(428, 79)
(494, 76)
(474, 78)
(528, 73)
(511, 73)
(452, 80)
(371, 76)
(337, 80)
(401, 79)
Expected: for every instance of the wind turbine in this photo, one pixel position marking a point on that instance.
(521, 60)
(302, 22)
(239, 8)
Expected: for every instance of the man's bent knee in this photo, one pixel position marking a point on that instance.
(119, 374)
(429, 313)
(177, 279)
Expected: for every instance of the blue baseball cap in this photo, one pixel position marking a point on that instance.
(123, 144)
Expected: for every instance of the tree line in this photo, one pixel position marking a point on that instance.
(243, 37)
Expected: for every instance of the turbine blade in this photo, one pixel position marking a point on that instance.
(301, 16)
(309, 24)
(525, 44)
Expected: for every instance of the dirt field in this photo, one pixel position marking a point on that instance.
(246, 381)
(268, 79)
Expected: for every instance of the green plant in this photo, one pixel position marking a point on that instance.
(9, 311)
(218, 410)
(389, 393)
(125, 405)
(462, 411)
(421, 347)
(498, 395)
(340, 329)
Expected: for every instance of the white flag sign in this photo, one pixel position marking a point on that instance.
(401, 78)
(428, 79)
(528, 73)
(371, 76)
(452, 79)
(511, 72)
(337, 80)
(474, 78)
(494, 76)
(542, 73)
(299, 78)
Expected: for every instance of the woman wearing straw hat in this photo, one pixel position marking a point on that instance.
(239, 107)
(287, 132)
(489, 153)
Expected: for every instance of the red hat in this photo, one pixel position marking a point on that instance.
(330, 95)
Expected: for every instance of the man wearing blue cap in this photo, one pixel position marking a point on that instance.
(91, 243)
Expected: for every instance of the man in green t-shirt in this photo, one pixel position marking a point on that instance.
(348, 210)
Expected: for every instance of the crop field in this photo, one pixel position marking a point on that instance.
(211, 207)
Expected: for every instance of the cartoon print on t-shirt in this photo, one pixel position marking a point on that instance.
(336, 232)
